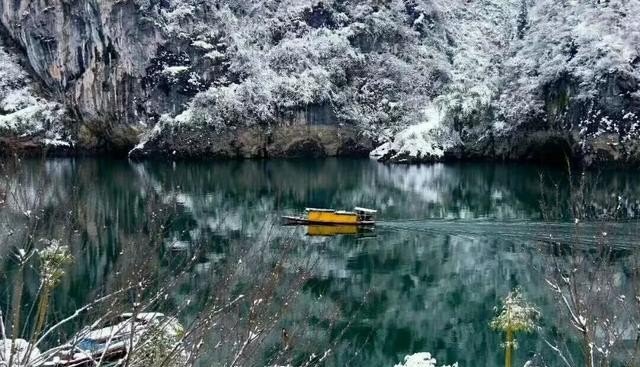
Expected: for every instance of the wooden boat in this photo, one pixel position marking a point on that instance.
(357, 217)
(109, 343)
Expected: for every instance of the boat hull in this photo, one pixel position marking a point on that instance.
(324, 230)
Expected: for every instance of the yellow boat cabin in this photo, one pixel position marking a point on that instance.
(358, 217)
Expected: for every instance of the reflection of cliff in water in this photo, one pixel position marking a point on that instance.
(405, 291)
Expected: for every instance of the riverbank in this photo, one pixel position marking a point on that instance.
(540, 147)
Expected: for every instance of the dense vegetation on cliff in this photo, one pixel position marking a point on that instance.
(433, 78)
(376, 66)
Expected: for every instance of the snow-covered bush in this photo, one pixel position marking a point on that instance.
(516, 314)
(53, 260)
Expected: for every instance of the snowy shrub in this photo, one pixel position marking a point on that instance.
(516, 314)
(53, 260)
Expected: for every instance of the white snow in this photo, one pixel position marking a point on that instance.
(423, 359)
(583, 41)
(382, 92)
(56, 142)
(24, 121)
(184, 118)
(429, 139)
(17, 99)
(482, 31)
(203, 45)
(214, 55)
(309, 66)
(157, 129)
(175, 70)
(21, 347)
(381, 151)
(379, 66)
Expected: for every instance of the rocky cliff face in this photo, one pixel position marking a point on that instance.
(119, 66)
(510, 79)
(601, 130)
(92, 56)
(567, 87)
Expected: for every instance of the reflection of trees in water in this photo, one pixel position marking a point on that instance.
(464, 191)
(237, 310)
(430, 294)
(502, 191)
(107, 252)
(403, 291)
(401, 192)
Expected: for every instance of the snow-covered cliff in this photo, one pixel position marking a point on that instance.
(540, 80)
(26, 118)
(508, 79)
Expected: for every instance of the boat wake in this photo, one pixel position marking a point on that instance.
(618, 234)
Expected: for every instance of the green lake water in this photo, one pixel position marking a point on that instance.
(451, 242)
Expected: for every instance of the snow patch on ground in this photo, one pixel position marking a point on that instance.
(381, 151)
(19, 348)
(421, 360)
(427, 140)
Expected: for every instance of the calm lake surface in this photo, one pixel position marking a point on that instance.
(452, 241)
